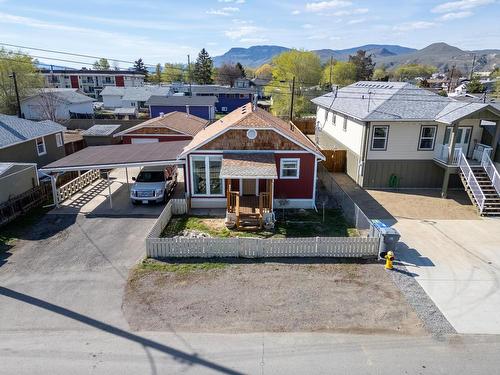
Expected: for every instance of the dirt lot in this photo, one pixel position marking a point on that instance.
(272, 297)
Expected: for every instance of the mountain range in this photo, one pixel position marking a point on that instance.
(441, 55)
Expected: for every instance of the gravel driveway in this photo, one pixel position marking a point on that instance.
(272, 297)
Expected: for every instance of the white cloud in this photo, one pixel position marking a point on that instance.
(242, 31)
(326, 5)
(355, 21)
(295, 12)
(342, 13)
(226, 11)
(253, 40)
(461, 5)
(307, 26)
(232, 1)
(455, 15)
(417, 25)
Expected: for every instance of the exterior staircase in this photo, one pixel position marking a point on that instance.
(482, 184)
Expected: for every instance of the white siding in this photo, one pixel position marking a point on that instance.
(402, 143)
(112, 101)
(352, 137)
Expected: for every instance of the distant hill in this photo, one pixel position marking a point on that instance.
(441, 55)
(258, 55)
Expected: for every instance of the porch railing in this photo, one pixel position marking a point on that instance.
(491, 170)
(74, 186)
(480, 150)
(474, 186)
(264, 202)
(442, 152)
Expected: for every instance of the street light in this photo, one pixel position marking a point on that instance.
(13, 76)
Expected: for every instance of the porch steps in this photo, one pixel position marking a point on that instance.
(492, 201)
(250, 222)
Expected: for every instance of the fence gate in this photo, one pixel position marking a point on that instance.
(336, 160)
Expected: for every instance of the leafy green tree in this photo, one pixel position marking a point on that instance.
(326, 76)
(344, 73)
(442, 92)
(101, 64)
(241, 69)
(265, 71)
(381, 74)
(475, 86)
(497, 89)
(203, 68)
(306, 68)
(27, 78)
(140, 67)
(157, 77)
(364, 65)
(174, 73)
(409, 72)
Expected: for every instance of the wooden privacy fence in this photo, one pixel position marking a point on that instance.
(336, 160)
(74, 186)
(306, 125)
(351, 247)
(24, 202)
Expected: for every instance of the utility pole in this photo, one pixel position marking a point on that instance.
(13, 76)
(331, 66)
(189, 76)
(472, 69)
(291, 103)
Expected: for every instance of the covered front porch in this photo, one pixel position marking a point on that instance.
(249, 185)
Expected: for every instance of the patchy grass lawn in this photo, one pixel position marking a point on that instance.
(242, 295)
(296, 223)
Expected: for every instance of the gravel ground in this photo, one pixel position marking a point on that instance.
(271, 297)
(433, 319)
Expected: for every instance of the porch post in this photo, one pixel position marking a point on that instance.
(453, 142)
(496, 138)
(126, 174)
(53, 183)
(446, 180)
(109, 189)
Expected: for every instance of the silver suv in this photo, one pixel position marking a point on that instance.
(153, 184)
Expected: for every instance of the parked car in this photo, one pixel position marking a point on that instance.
(153, 184)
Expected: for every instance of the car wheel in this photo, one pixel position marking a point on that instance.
(134, 202)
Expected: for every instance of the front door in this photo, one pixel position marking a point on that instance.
(248, 187)
(463, 138)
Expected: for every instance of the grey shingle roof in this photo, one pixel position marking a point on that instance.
(101, 130)
(393, 101)
(182, 100)
(68, 95)
(140, 94)
(16, 130)
(218, 89)
(248, 166)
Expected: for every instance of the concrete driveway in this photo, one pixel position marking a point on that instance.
(457, 263)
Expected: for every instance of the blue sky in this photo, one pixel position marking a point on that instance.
(160, 31)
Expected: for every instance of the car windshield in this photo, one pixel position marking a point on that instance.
(156, 176)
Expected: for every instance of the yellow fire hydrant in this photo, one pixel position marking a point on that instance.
(389, 257)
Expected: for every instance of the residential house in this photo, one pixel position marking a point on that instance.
(200, 106)
(398, 135)
(99, 135)
(250, 162)
(26, 141)
(91, 82)
(125, 97)
(173, 126)
(16, 178)
(58, 104)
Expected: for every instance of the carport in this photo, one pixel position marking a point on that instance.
(116, 156)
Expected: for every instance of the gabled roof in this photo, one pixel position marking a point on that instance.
(182, 100)
(248, 117)
(176, 121)
(15, 130)
(392, 101)
(139, 94)
(72, 96)
(100, 130)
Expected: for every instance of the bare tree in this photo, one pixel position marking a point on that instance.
(48, 102)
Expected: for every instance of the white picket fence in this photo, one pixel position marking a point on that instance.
(349, 247)
(179, 206)
(74, 186)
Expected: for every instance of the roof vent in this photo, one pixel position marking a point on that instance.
(251, 133)
(162, 114)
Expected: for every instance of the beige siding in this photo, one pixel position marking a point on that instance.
(352, 137)
(19, 179)
(404, 137)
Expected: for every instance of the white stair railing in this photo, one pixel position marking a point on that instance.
(474, 186)
(491, 170)
(441, 153)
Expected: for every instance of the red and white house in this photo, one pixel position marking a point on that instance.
(173, 126)
(250, 162)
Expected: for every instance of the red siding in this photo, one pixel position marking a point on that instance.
(119, 81)
(74, 82)
(300, 188)
(161, 138)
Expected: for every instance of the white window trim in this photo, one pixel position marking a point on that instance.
(59, 140)
(287, 160)
(44, 147)
(207, 175)
(433, 138)
(386, 138)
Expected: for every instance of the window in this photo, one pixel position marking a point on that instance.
(289, 168)
(344, 125)
(206, 175)
(427, 138)
(59, 140)
(379, 139)
(40, 146)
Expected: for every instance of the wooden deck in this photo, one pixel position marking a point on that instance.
(249, 204)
